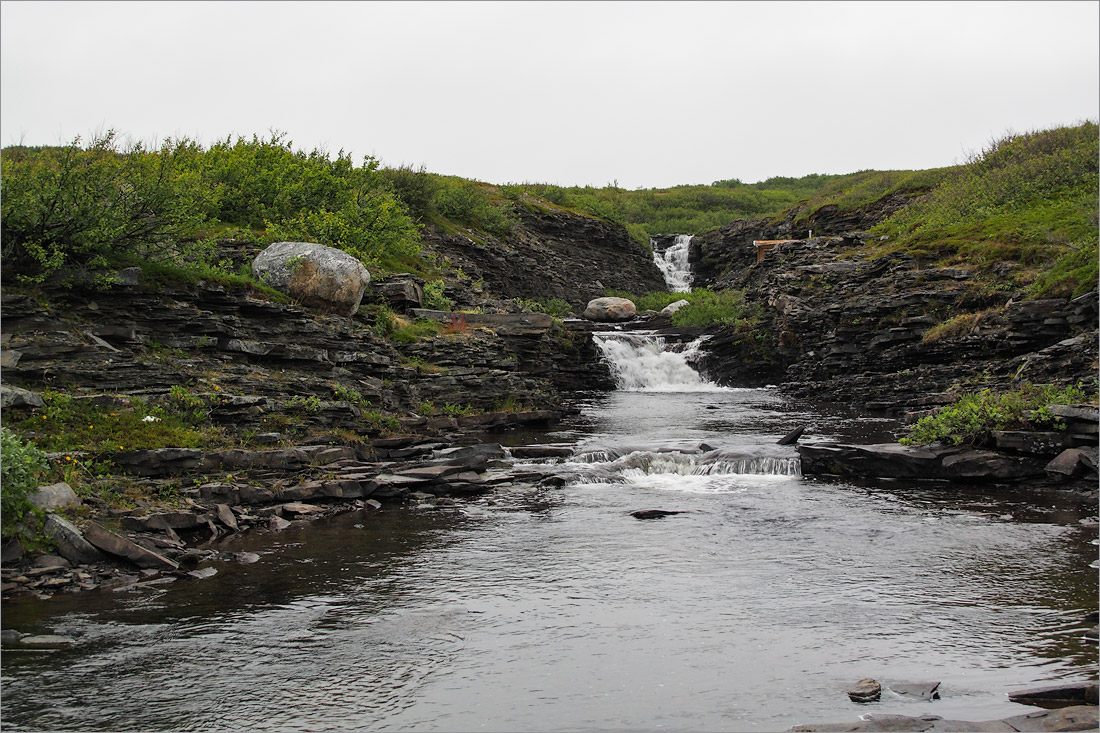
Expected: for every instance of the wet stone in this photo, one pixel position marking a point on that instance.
(917, 690)
(866, 690)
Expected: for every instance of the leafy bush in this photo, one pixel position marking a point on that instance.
(87, 208)
(975, 415)
(434, 297)
(21, 465)
(549, 306)
(103, 205)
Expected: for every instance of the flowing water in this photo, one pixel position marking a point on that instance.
(673, 263)
(551, 607)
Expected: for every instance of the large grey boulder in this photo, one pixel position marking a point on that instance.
(314, 274)
(610, 310)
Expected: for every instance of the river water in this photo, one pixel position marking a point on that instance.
(553, 608)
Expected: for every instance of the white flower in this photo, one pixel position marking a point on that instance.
(150, 418)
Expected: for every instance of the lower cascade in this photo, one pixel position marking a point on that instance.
(643, 361)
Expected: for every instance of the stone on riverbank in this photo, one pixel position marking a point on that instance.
(113, 544)
(70, 542)
(889, 460)
(314, 274)
(54, 496)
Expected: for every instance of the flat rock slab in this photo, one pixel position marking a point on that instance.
(1084, 693)
(542, 451)
(113, 544)
(47, 641)
(296, 507)
(164, 520)
(917, 690)
(890, 460)
(1076, 718)
(70, 542)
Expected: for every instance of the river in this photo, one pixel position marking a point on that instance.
(553, 608)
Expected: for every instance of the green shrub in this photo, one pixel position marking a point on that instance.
(21, 466)
(434, 297)
(86, 208)
(549, 306)
(975, 415)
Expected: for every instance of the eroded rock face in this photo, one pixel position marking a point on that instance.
(314, 274)
(610, 310)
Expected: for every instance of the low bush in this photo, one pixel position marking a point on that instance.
(976, 414)
(21, 466)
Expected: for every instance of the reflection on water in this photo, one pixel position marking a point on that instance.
(553, 608)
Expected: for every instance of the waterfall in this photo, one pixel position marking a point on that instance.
(643, 362)
(673, 263)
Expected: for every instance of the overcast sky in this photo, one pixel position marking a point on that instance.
(648, 94)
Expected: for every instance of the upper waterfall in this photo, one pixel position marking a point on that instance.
(673, 263)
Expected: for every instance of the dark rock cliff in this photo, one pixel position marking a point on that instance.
(839, 324)
(552, 254)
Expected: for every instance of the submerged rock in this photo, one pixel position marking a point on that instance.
(656, 513)
(917, 690)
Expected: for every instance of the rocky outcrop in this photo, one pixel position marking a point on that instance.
(551, 253)
(845, 327)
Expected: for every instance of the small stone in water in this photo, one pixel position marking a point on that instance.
(866, 690)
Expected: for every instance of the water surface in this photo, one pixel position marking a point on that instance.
(552, 608)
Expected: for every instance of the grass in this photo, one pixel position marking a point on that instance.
(705, 307)
(1027, 200)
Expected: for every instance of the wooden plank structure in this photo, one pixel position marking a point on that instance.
(763, 245)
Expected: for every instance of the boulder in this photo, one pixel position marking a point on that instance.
(54, 496)
(671, 308)
(314, 274)
(70, 542)
(610, 310)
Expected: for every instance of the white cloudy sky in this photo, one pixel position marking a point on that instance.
(642, 93)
